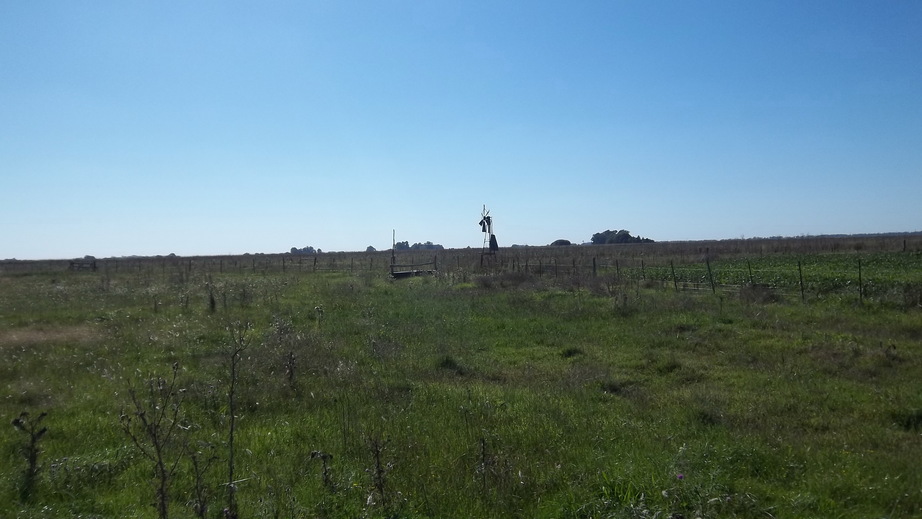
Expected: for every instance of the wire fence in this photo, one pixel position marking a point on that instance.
(879, 268)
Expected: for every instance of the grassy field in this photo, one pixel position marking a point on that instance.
(613, 392)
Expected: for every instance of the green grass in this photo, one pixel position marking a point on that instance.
(465, 396)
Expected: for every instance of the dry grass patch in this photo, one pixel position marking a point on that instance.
(83, 334)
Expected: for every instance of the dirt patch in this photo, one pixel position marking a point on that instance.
(83, 334)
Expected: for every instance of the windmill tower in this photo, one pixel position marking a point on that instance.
(490, 245)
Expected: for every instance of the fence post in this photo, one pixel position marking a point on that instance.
(594, 271)
(707, 261)
(675, 283)
(751, 282)
(800, 272)
(860, 284)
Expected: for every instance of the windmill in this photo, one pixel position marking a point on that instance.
(489, 239)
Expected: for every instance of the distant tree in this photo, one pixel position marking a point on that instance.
(561, 243)
(370, 249)
(427, 246)
(402, 245)
(305, 250)
(621, 236)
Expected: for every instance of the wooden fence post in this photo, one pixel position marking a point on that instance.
(594, 271)
(707, 261)
(675, 283)
(800, 271)
(860, 284)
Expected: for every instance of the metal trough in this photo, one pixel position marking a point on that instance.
(400, 274)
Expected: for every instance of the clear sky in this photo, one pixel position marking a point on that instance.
(224, 127)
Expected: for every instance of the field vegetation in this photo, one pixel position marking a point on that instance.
(626, 381)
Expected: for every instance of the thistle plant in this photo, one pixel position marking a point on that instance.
(30, 451)
(154, 425)
(378, 473)
(325, 472)
(318, 315)
(201, 461)
(239, 342)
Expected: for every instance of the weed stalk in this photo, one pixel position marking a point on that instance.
(31, 451)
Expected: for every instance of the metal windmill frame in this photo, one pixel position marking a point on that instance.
(490, 245)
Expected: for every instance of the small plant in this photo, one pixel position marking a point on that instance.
(449, 363)
(613, 387)
(31, 451)
(201, 461)
(909, 420)
(212, 302)
(571, 352)
(290, 369)
(239, 342)
(380, 489)
(486, 465)
(325, 472)
(318, 315)
(154, 425)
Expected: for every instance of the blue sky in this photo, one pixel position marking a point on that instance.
(225, 127)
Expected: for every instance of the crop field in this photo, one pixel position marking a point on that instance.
(776, 379)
